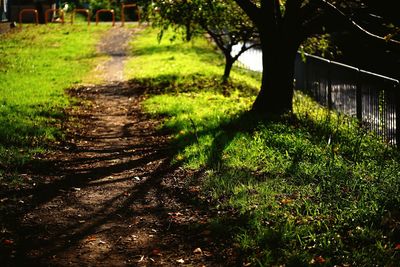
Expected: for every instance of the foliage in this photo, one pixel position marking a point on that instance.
(36, 66)
(320, 45)
(95, 5)
(223, 21)
(308, 189)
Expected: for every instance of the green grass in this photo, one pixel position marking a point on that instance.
(37, 64)
(181, 66)
(309, 189)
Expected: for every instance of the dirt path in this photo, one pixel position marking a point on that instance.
(110, 196)
(115, 44)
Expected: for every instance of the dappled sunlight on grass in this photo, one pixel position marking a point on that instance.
(302, 195)
(308, 188)
(195, 116)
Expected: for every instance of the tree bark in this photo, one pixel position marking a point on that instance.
(229, 60)
(276, 93)
(280, 39)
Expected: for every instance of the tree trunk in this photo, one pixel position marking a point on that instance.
(276, 94)
(228, 67)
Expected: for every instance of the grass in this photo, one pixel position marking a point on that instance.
(309, 189)
(180, 66)
(37, 64)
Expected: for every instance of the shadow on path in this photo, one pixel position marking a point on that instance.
(111, 196)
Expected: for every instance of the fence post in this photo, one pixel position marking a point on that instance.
(397, 94)
(330, 104)
(306, 78)
(358, 96)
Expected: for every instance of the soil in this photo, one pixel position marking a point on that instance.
(6, 27)
(109, 195)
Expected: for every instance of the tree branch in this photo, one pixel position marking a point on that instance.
(292, 20)
(353, 24)
(250, 9)
(292, 7)
(278, 13)
(243, 49)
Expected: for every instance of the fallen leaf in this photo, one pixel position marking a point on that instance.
(319, 260)
(156, 252)
(286, 201)
(180, 261)
(8, 242)
(102, 242)
(91, 238)
(206, 232)
(194, 189)
(198, 251)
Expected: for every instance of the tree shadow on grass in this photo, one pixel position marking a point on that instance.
(173, 83)
(300, 137)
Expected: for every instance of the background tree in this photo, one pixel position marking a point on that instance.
(283, 26)
(228, 26)
(222, 20)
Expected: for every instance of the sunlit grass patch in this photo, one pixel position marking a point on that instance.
(37, 64)
(174, 64)
(195, 121)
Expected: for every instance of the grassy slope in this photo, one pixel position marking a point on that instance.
(36, 65)
(310, 189)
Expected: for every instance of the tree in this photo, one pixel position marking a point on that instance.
(228, 26)
(283, 26)
(223, 20)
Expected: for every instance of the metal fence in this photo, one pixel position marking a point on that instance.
(372, 98)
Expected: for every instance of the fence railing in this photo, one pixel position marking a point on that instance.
(372, 98)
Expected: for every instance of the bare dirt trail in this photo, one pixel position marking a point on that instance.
(110, 196)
